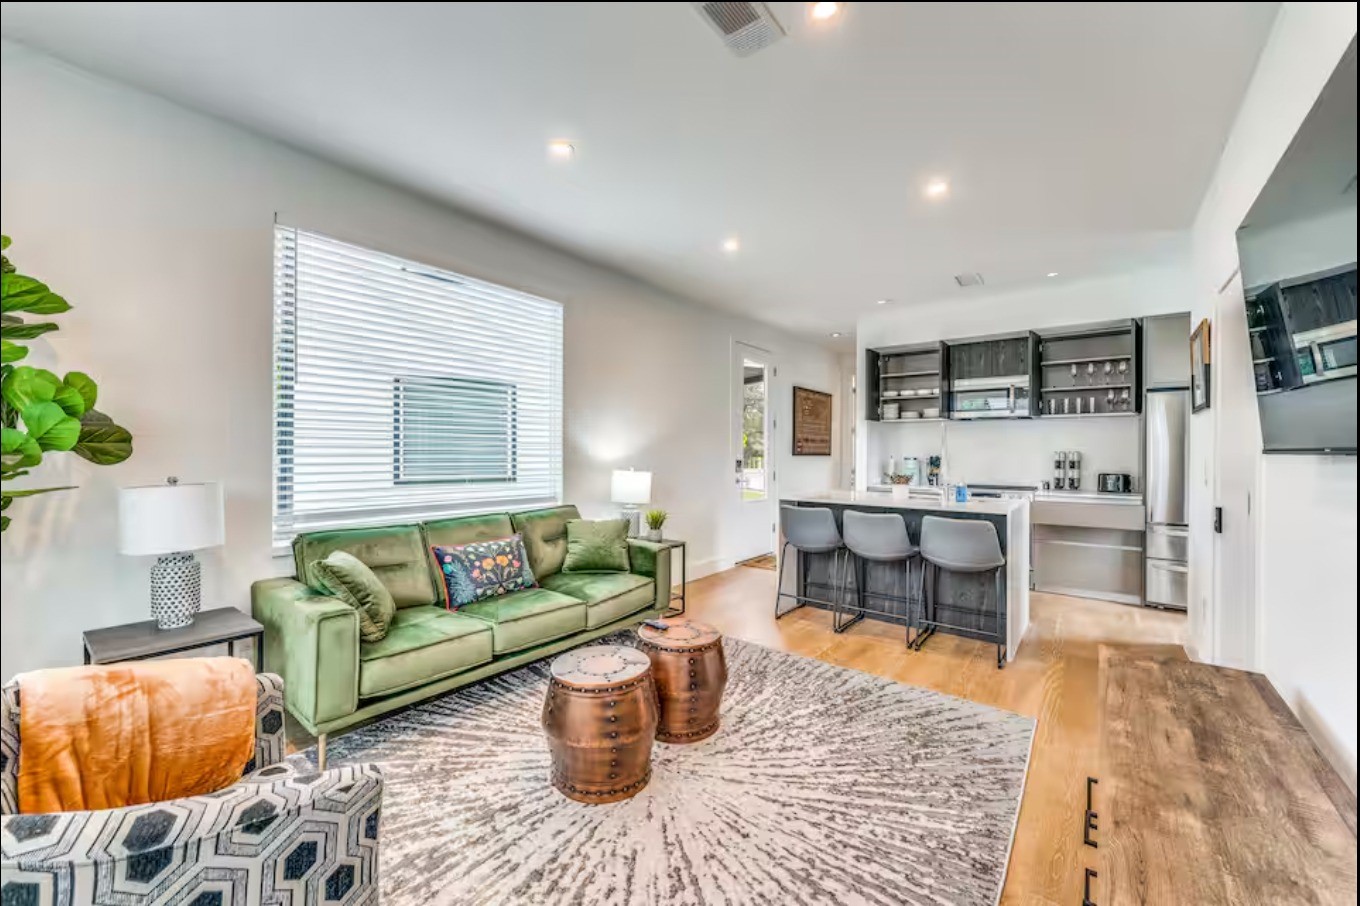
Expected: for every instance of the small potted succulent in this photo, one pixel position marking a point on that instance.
(655, 519)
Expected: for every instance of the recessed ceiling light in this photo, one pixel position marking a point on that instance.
(937, 188)
(1053, 273)
(884, 301)
(561, 149)
(823, 11)
(731, 245)
(835, 336)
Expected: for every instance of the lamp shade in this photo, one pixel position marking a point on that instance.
(628, 486)
(169, 518)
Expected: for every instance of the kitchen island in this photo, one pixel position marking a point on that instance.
(966, 600)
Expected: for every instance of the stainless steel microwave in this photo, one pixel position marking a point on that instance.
(1326, 352)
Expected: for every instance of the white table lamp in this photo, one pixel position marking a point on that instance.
(632, 489)
(170, 521)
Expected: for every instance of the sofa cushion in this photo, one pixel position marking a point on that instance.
(467, 530)
(545, 537)
(422, 644)
(598, 545)
(526, 618)
(481, 570)
(347, 578)
(395, 553)
(608, 596)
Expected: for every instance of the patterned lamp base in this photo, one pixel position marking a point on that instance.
(176, 590)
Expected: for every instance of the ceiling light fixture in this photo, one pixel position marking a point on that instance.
(731, 245)
(1053, 273)
(884, 301)
(560, 149)
(835, 336)
(823, 11)
(937, 188)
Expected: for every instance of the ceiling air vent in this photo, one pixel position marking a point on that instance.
(743, 27)
(969, 279)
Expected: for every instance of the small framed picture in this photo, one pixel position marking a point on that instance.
(1199, 367)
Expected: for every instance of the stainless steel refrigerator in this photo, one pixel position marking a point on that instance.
(1166, 547)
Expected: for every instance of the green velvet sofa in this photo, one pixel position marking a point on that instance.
(332, 680)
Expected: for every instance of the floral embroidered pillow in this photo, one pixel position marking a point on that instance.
(483, 569)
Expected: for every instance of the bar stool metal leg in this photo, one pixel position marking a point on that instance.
(852, 564)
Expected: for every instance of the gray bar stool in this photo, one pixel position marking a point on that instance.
(879, 538)
(961, 546)
(808, 530)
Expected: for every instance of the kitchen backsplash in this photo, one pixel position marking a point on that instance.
(1012, 452)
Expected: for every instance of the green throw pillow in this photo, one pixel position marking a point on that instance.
(597, 546)
(346, 577)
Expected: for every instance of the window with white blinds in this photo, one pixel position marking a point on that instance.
(403, 392)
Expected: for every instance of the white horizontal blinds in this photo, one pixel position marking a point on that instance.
(405, 392)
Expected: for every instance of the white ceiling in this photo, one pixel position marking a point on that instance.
(1077, 137)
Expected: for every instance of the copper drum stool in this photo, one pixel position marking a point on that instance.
(691, 672)
(600, 716)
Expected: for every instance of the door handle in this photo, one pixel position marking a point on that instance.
(1089, 823)
(1086, 888)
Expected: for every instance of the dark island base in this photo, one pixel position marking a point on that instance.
(966, 600)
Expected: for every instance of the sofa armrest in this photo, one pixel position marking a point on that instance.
(312, 640)
(647, 558)
(237, 836)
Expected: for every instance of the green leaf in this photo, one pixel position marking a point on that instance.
(27, 331)
(34, 492)
(13, 352)
(20, 450)
(4, 242)
(83, 384)
(25, 386)
(70, 401)
(52, 428)
(22, 293)
(101, 441)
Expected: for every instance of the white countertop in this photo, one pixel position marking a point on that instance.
(1087, 497)
(991, 506)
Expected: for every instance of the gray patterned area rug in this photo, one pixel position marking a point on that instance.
(824, 785)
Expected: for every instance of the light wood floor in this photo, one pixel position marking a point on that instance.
(1054, 678)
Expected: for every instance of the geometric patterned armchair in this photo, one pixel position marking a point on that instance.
(284, 835)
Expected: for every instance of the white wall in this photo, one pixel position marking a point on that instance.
(1279, 593)
(996, 452)
(156, 223)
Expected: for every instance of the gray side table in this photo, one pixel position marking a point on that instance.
(139, 641)
(667, 545)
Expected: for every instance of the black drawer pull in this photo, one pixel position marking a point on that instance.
(1091, 816)
(1086, 888)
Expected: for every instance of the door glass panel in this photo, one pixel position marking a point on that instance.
(754, 417)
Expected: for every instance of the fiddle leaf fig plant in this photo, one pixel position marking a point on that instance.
(43, 413)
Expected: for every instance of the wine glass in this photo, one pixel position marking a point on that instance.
(1123, 368)
(1074, 374)
(1090, 372)
(1124, 399)
(1109, 369)
(1109, 399)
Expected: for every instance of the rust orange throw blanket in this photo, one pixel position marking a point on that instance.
(124, 734)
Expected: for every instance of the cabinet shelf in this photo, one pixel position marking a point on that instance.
(1089, 415)
(904, 374)
(1083, 361)
(1089, 389)
(897, 421)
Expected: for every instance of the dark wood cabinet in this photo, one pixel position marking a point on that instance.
(990, 358)
(1319, 303)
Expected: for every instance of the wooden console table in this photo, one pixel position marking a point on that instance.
(1212, 792)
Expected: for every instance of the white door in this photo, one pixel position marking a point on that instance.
(753, 450)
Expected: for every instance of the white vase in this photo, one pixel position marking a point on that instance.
(653, 534)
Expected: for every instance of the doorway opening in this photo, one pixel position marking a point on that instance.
(753, 429)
